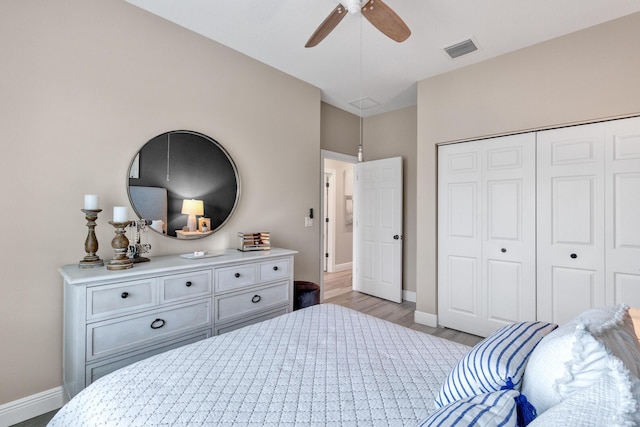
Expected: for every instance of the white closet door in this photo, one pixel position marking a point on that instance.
(486, 233)
(509, 232)
(570, 205)
(623, 212)
(460, 236)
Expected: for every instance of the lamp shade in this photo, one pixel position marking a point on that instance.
(192, 207)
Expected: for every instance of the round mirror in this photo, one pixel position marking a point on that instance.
(184, 184)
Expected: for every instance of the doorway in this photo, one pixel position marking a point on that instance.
(336, 261)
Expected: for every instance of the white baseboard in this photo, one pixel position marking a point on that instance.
(427, 319)
(408, 296)
(31, 406)
(343, 267)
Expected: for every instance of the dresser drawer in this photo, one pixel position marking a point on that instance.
(136, 331)
(121, 298)
(184, 286)
(104, 367)
(274, 270)
(242, 304)
(232, 326)
(235, 277)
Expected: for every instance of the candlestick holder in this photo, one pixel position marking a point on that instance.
(91, 260)
(120, 245)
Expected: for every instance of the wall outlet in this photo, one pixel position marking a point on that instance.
(308, 222)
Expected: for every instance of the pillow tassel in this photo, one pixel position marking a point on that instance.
(526, 411)
(508, 385)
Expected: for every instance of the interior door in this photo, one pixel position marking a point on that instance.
(377, 213)
(571, 219)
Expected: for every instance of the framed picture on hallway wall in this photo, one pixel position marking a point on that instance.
(348, 210)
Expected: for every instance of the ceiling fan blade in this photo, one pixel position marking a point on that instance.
(386, 20)
(327, 26)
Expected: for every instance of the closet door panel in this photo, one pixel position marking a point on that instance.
(459, 235)
(486, 233)
(570, 206)
(463, 279)
(572, 291)
(626, 289)
(572, 211)
(509, 273)
(623, 211)
(504, 291)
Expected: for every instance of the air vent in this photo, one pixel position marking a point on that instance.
(461, 48)
(364, 103)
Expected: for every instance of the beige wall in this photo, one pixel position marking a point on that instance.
(84, 85)
(585, 76)
(339, 130)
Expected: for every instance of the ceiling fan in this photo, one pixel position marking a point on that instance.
(376, 12)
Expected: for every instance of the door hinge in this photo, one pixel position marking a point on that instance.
(326, 255)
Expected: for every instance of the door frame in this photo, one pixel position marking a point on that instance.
(329, 211)
(329, 155)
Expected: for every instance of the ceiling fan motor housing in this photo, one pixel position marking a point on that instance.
(354, 6)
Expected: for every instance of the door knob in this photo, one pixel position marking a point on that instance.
(396, 237)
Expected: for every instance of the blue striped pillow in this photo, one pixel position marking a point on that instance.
(485, 410)
(493, 363)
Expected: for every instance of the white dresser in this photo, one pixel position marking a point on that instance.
(114, 318)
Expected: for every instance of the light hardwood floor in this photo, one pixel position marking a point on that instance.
(337, 290)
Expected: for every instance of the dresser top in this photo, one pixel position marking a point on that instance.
(74, 275)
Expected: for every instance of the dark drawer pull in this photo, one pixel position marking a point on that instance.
(503, 250)
(275, 268)
(574, 256)
(188, 284)
(157, 324)
(256, 299)
(237, 275)
(124, 294)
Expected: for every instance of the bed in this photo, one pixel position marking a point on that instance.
(329, 365)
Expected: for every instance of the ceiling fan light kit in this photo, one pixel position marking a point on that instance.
(376, 12)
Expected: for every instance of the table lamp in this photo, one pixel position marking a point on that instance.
(192, 208)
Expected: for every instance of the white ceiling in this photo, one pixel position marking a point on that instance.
(357, 61)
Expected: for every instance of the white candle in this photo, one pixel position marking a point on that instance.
(91, 201)
(120, 214)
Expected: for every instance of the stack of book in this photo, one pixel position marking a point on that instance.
(254, 241)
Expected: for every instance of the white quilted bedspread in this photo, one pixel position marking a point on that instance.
(323, 365)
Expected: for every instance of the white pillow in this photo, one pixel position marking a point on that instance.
(572, 357)
(485, 410)
(613, 327)
(491, 363)
(611, 400)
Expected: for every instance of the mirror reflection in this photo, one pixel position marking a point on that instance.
(184, 184)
